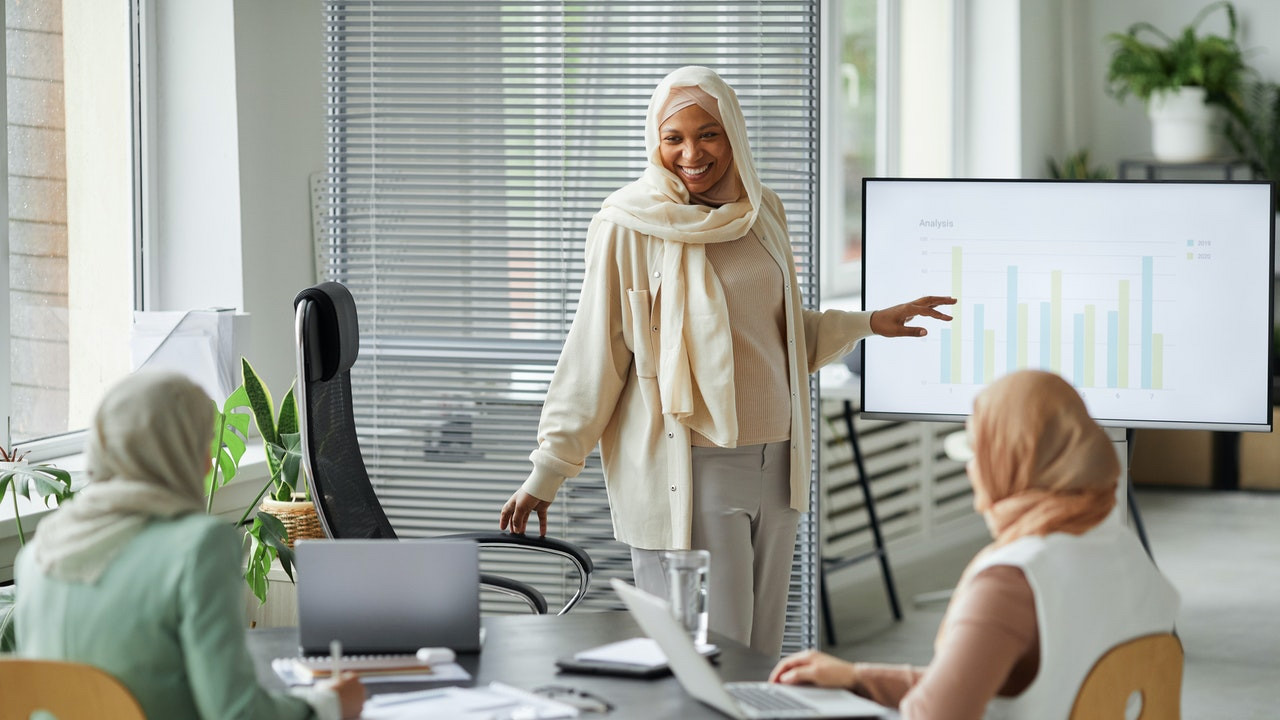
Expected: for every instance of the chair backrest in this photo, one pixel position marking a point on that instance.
(1150, 665)
(328, 342)
(68, 690)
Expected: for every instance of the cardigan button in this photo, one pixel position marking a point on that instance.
(671, 435)
(655, 328)
(673, 488)
(657, 274)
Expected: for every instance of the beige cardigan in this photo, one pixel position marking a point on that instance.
(605, 386)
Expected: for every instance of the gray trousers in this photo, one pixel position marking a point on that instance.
(742, 515)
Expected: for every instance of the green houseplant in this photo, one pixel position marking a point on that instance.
(1181, 78)
(267, 534)
(1076, 166)
(18, 477)
(1254, 131)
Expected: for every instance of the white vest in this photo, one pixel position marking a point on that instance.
(1092, 592)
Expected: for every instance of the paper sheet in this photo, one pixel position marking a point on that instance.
(495, 702)
(641, 651)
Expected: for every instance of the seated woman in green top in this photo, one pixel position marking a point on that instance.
(132, 576)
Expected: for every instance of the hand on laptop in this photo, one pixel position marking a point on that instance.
(516, 513)
(810, 667)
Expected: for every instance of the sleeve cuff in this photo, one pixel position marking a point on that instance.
(543, 483)
(323, 700)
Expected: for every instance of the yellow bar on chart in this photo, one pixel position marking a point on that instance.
(957, 328)
(1122, 337)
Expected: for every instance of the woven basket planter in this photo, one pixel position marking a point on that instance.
(299, 518)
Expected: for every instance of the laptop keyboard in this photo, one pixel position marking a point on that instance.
(765, 698)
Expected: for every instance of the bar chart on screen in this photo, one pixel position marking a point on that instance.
(1152, 299)
(1057, 312)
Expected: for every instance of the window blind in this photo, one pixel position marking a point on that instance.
(468, 145)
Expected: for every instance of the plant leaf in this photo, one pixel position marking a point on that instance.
(276, 535)
(260, 402)
(288, 422)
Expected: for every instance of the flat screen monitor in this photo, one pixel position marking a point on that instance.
(1153, 299)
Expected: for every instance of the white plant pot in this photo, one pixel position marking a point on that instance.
(1182, 125)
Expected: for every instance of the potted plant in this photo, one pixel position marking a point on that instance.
(18, 477)
(286, 512)
(1076, 166)
(1253, 129)
(1182, 79)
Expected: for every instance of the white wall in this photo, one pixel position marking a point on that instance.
(1013, 79)
(280, 92)
(1113, 130)
(238, 127)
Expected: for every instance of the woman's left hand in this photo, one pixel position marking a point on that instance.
(892, 321)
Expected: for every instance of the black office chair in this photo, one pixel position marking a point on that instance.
(328, 341)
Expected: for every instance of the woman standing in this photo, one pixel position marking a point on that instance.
(688, 362)
(133, 577)
(1061, 584)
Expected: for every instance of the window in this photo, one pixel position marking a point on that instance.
(69, 240)
(469, 145)
(889, 77)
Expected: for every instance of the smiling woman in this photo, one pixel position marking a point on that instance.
(692, 334)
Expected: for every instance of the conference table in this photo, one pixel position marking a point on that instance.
(521, 650)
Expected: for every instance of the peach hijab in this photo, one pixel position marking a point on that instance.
(1041, 465)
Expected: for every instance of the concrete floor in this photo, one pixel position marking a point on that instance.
(1220, 549)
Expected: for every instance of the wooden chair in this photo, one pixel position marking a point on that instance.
(1150, 665)
(68, 690)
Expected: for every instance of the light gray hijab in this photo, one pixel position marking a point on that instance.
(148, 451)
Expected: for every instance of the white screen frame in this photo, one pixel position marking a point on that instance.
(934, 217)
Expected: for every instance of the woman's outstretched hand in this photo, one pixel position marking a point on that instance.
(515, 513)
(892, 321)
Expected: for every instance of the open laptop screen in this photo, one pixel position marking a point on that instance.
(388, 596)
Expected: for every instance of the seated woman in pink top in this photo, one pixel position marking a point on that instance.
(1062, 582)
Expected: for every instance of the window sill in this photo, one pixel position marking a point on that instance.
(229, 502)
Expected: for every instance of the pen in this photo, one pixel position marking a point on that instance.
(335, 655)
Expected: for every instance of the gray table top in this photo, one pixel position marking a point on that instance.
(520, 650)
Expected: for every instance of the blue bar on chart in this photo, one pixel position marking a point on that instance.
(1113, 350)
(1146, 321)
(946, 355)
(979, 343)
(1013, 336)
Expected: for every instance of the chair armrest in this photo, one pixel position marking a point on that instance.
(515, 588)
(566, 550)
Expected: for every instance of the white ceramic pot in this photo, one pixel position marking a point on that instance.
(1182, 125)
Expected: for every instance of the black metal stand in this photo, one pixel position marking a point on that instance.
(1129, 437)
(878, 551)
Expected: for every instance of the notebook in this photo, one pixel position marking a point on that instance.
(388, 596)
(735, 699)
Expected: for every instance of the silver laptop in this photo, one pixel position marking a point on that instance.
(388, 596)
(735, 699)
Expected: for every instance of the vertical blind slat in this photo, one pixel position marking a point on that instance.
(468, 145)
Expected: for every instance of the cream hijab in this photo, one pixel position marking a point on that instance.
(148, 450)
(695, 387)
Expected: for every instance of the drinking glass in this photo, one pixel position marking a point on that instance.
(687, 589)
